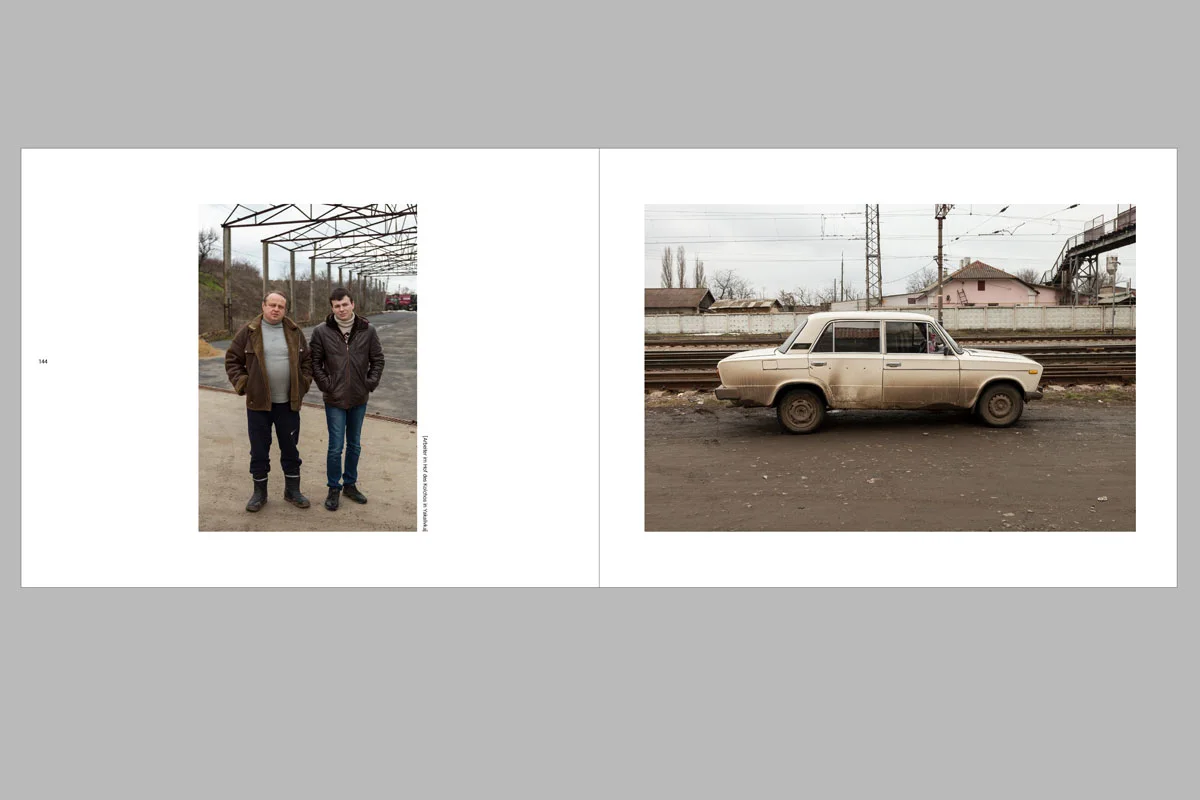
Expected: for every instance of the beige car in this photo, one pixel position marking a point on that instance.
(877, 360)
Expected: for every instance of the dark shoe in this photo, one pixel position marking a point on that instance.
(331, 502)
(351, 491)
(259, 497)
(292, 492)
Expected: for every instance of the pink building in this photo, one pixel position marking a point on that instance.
(979, 284)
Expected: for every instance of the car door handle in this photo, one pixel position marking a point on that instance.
(818, 363)
(893, 363)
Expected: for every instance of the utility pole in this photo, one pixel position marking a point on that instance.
(1111, 266)
(842, 296)
(874, 262)
(939, 213)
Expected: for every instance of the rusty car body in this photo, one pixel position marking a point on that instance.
(877, 360)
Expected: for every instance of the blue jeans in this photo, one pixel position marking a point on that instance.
(345, 429)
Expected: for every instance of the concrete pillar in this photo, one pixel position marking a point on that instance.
(227, 249)
(266, 269)
(292, 286)
(312, 285)
(340, 277)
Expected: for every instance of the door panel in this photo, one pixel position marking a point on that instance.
(913, 375)
(920, 380)
(855, 380)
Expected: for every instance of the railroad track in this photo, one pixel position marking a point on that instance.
(1047, 354)
(1085, 361)
(987, 341)
(1060, 373)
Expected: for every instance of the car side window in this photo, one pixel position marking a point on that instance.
(856, 337)
(908, 337)
(825, 343)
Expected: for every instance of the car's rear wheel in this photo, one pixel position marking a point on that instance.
(1001, 406)
(800, 411)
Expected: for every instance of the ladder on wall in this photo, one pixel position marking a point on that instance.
(962, 295)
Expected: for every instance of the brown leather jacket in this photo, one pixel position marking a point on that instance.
(246, 366)
(345, 373)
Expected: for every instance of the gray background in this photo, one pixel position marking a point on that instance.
(557, 693)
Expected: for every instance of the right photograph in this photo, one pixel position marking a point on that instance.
(946, 367)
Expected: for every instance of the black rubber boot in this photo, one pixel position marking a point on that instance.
(260, 495)
(291, 491)
(351, 491)
(331, 502)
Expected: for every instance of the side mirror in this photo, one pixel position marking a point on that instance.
(940, 347)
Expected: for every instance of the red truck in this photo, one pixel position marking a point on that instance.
(401, 302)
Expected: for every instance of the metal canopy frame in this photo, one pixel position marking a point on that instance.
(370, 241)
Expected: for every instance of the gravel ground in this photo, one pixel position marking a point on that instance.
(1068, 464)
(387, 475)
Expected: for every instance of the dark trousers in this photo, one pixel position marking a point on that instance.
(287, 428)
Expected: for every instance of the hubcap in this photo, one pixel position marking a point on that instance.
(801, 412)
(1000, 405)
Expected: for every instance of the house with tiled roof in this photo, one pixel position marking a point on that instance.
(678, 301)
(979, 284)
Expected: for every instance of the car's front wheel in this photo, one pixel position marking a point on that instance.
(1001, 406)
(800, 411)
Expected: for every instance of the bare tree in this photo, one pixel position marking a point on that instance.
(681, 268)
(1029, 275)
(667, 276)
(798, 297)
(208, 243)
(726, 283)
(832, 294)
(700, 279)
(923, 277)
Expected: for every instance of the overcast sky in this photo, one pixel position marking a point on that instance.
(784, 247)
(247, 246)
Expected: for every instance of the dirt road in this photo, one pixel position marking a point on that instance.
(387, 474)
(720, 468)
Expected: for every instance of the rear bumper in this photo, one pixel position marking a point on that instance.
(1036, 395)
(725, 393)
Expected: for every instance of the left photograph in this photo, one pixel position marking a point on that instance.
(307, 327)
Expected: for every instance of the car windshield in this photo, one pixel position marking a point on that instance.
(787, 344)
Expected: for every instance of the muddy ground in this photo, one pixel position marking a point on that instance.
(387, 474)
(713, 467)
(397, 392)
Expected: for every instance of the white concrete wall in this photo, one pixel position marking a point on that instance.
(956, 319)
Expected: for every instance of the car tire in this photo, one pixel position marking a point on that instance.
(1000, 406)
(800, 411)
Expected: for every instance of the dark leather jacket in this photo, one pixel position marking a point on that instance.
(346, 373)
(246, 366)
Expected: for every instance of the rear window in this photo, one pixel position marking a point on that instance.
(849, 337)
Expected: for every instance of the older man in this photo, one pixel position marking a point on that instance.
(269, 362)
(347, 365)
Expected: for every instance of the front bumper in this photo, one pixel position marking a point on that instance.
(1035, 395)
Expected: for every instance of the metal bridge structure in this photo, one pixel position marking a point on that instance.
(1077, 270)
(370, 242)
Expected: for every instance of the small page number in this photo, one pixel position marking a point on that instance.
(43, 361)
